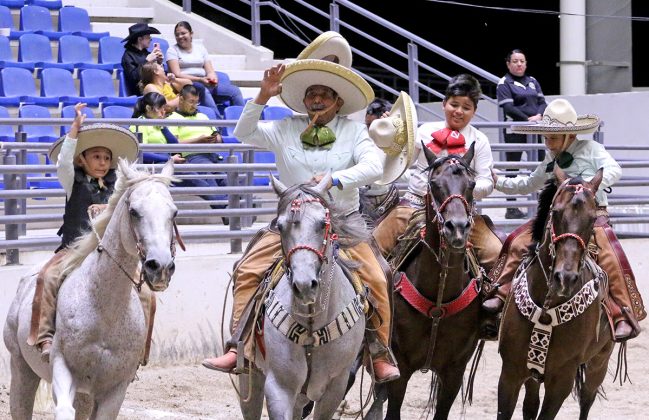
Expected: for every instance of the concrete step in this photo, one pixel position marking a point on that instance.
(86, 4)
(120, 29)
(228, 61)
(121, 14)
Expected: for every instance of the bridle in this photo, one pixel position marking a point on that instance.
(329, 237)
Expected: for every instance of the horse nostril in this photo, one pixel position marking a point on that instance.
(152, 265)
(314, 284)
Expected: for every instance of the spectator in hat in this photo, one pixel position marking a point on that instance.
(376, 109)
(136, 54)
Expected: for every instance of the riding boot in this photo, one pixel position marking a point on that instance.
(148, 302)
(623, 291)
(387, 233)
(48, 283)
(486, 243)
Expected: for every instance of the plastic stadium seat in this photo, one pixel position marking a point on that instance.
(39, 20)
(75, 50)
(48, 4)
(18, 86)
(164, 45)
(276, 113)
(261, 178)
(211, 114)
(39, 133)
(7, 21)
(110, 51)
(116, 111)
(76, 20)
(36, 48)
(13, 4)
(232, 112)
(7, 132)
(60, 84)
(69, 112)
(99, 83)
(6, 57)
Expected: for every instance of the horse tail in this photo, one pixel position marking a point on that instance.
(477, 355)
(622, 369)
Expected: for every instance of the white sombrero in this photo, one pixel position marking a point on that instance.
(120, 141)
(301, 74)
(329, 46)
(395, 135)
(560, 117)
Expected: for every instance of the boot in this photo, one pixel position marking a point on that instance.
(514, 213)
(384, 371)
(623, 331)
(225, 363)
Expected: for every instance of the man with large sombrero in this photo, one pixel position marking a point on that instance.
(577, 157)
(306, 147)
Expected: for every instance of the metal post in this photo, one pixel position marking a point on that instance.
(187, 6)
(254, 23)
(21, 137)
(249, 181)
(413, 72)
(334, 17)
(234, 202)
(11, 208)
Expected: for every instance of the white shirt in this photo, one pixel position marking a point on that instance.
(588, 157)
(65, 165)
(354, 159)
(481, 163)
(191, 63)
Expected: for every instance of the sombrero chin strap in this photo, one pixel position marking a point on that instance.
(318, 136)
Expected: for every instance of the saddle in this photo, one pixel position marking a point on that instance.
(375, 208)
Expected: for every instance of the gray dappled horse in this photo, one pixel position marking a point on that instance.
(554, 329)
(100, 324)
(314, 322)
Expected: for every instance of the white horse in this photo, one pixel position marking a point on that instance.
(100, 324)
(314, 322)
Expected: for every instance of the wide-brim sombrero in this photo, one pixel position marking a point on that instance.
(120, 141)
(301, 74)
(330, 46)
(395, 135)
(560, 118)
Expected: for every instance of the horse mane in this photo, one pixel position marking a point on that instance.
(85, 244)
(351, 229)
(440, 161)
(545, 203)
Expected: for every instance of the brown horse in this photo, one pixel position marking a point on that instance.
(554, 330)
(436, 313)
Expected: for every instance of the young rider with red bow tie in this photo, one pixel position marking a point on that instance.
(454, 135)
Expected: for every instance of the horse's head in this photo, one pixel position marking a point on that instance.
(151, 230)
(304, 222)
(450, 183)
(570, 226)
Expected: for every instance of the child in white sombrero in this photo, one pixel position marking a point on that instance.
(560, 126)
(86, 159)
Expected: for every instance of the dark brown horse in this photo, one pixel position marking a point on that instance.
(433, 328)
(554, 329)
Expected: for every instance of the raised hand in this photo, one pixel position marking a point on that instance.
(270, 84)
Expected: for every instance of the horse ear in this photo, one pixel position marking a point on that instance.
(277, 185)
(168, 169)
(597, 179)
(468, 156)
(430, 156)
(559, 174)
(323, 185)
(125, 168)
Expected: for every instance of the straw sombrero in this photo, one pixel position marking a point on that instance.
(561, 118)
(301, 74)
(120, 141)
(395, 135)
(329, 46)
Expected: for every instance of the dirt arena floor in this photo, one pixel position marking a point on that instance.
(193, 392)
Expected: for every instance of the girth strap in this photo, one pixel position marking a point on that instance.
(427, 308)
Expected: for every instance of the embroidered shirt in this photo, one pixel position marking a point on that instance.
(588, 156)
(354, 159)
(481, 163)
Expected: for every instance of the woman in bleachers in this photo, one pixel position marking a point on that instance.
(152, 106)
(154, 79)
(190, 60)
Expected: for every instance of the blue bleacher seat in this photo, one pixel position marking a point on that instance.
(76, 20)
(59, 83)
(111, 49)
(232, 112)
(13, 4)
(164, 45)
(69, 112)
(48, 4)
(261, 178)
(39, 133)
(99, 83)
(39, 20)
(7, 132)
(276, 113)
(6, 57)
(7, 21)
(211, 114)
(117, 111)
(36, 49)
(75, 50)
(18, 86)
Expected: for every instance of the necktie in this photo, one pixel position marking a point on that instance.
(451, 140)
(318, 136)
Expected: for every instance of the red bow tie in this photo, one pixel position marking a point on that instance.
(448, 139)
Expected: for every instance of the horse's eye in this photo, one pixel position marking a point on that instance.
(280, 226)
(134, 213)
(323, 224)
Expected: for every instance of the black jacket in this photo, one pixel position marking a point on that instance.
(132, 62)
